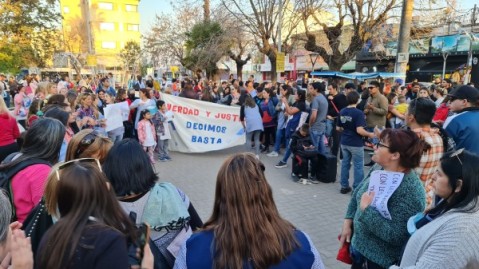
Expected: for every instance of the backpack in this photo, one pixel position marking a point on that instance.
(6, 175)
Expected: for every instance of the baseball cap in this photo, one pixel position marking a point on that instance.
(350, 86)
(469, 93)
(399, 81)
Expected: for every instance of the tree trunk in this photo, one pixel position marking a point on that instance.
(206, 10)
(272, 59)
(239, 69)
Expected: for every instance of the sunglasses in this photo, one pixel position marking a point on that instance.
(82, 160)
(86, 142)
(457, 153)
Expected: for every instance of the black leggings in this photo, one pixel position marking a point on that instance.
(268, 133)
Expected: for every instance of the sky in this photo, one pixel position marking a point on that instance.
(148, 9)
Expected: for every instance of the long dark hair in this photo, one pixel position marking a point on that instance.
(80, 192)
(464, 167)
(43, 140)
(245, 219)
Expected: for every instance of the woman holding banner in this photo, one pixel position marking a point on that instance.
(377, 237)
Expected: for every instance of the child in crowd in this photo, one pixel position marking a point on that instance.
(401, 108)
(392, 98)
(304, 152)
(163, 131)
(34, 112)
(424, 92)
(146, 133)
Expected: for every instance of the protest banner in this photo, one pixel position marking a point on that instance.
(115, 114)
(199, 126)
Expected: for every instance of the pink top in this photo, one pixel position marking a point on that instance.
(28, 186)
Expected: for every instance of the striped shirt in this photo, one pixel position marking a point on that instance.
(430, 159)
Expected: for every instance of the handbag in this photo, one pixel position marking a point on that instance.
(36, 224)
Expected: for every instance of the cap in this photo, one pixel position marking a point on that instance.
(2, 75)
(399, 81)
(465, 92)
(350, 86)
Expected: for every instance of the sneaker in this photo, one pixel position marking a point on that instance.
(304, 181)
(163, 159)
(345, 190)
(272, 154)
(281, 164)
(295, 177)
(168, 158)
(313, 180)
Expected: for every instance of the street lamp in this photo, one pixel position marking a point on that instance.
(445, 53)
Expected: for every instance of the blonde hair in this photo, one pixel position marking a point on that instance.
(3, 107)
(98, 149)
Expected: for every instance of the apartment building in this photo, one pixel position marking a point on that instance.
(100, 28)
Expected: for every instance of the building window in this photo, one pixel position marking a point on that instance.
(108, 45)
(105, 5)
(107, 26)
(133, 27)
(131, 8)
(66, 10)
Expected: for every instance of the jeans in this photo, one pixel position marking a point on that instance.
(329, 127)
(374, 140)
(255, 135)
(288, 151)
(318, 141)
(279, 137)
(7, 99)
(356, 155)
(163, 148)
(115, 138)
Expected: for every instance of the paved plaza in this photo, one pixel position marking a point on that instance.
(316, 209)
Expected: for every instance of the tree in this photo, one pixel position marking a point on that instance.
(130, 56)
(165, 41)
(356, 22)
(206, 44)
(25, 31)
(261, 19)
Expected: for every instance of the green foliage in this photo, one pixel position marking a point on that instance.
(206, 43)
(25, 33)
(130, 55)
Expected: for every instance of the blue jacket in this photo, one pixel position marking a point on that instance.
(198, 254)
(463, 128)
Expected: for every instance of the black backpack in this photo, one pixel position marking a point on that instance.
(6, 175)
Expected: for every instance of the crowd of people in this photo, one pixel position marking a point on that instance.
(81, 192)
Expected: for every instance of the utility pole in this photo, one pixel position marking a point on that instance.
(280, 26)
(402, 56)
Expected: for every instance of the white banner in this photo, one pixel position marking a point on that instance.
(115, 114)
(200, 126)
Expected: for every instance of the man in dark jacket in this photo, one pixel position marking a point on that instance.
(304, 152)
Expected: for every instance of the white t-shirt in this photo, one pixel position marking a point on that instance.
(149, 139)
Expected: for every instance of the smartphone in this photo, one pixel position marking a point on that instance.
(143, 237)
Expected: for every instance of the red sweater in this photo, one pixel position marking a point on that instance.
(8, 129)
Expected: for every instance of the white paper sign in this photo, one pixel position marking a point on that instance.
(115, 115)
(199, 126)
(384, 184)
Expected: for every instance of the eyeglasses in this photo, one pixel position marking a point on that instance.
(82, 160)
(86, 142)
(381, 145)
(457, 153)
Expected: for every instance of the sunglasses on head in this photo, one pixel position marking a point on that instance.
(82, 160)
(86, 142)
(457, 153)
